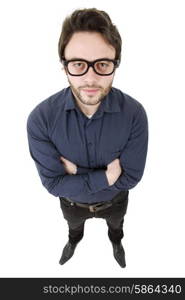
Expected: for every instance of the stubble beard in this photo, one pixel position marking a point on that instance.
(90, 99)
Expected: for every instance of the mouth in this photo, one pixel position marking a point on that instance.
(90, 91)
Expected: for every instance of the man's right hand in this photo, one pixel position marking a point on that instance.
(69, 166)
(113, 171)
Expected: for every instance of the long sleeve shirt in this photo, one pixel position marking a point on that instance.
(119, 129)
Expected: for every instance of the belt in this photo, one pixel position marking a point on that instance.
(97, 206)
(93, 207)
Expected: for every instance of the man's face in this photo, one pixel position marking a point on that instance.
(90, 88)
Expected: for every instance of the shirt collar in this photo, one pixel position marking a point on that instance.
(69, 101)
(109, 104)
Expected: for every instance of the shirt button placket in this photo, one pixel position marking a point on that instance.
(90, 145)
(91, 153)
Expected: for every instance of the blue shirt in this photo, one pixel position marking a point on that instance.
(56, 127)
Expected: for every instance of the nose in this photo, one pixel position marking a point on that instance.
(91, 76)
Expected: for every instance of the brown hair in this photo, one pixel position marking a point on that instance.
(90, 19)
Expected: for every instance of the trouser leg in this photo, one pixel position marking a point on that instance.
(115, 220)
(115, 230)
(75, 217)
(76, 231)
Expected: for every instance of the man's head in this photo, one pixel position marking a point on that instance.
(90, 49)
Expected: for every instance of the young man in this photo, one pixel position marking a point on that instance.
(89, 141)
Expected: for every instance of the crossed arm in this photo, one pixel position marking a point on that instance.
(58, 178)
(112, 173)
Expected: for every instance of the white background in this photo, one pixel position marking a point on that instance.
(33, 231)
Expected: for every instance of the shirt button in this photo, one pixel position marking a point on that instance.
(89, 144)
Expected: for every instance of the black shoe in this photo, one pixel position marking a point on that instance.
(68, 252)
(119, 254)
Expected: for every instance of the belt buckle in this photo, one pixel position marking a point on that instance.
(93, 208)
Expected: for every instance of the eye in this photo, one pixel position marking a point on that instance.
(78, 64)
(103, 65)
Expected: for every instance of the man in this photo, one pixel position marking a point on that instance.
(89, 141)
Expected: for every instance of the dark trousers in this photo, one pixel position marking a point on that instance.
(114, 216)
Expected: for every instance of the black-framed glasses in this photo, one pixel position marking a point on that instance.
(102, 66)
